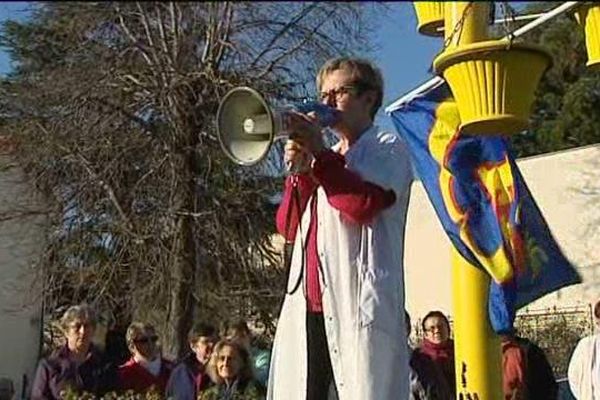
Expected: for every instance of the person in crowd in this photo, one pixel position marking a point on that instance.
(526, 372)
(189, 377)
(540, 382)
(344, 208)
(260, 357)
(514, 369)
(438, 348)
(116, 346)
(7, 389)
(426, 379)
(230, 368)
(146, 370)
(78, 366)
(584, 367)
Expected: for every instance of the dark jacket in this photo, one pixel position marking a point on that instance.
(427, 380)
(59, 372)
(187, 377)
(539, 378)
(434, 364)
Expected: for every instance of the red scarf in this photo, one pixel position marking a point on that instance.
(442, 352)
(442, 356)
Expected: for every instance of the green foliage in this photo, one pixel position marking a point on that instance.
(251, 392)
(70, 394)
(566, 111)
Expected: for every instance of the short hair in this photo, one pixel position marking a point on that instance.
(407, 322)
(437, 314)
(246, 372)
(136, 328)
(237, 329)
(364, 73)
(201, 329)
(597, 310)
(81, 312)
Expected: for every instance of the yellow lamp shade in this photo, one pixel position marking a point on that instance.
(430, 17)
(493, 83)
(588, 15)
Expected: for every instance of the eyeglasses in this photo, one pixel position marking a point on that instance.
(338, 93)
(434, 328)
(145, 339)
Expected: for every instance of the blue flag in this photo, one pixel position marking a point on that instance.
(483, 204)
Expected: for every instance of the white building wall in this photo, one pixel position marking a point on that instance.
(566, 186)
(20, 242)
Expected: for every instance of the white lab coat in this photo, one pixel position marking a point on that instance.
(362, 285)
(584, 369)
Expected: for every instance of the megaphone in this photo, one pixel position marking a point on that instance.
(247, 125)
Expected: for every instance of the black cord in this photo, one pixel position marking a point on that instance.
(295, 203)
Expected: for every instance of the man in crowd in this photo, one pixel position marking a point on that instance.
(189, 377)
(345, 212)
(527, 373)
(77, 367)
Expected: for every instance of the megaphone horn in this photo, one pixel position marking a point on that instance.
(247, 125)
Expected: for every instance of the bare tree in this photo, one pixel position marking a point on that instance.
(113, 106)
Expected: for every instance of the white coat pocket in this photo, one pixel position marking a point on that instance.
(378, 302)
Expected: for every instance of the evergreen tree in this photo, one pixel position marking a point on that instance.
(566, 111)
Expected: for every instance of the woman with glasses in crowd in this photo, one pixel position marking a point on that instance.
(146, 370)
(230, 368)
(437, 353)
(78, 366)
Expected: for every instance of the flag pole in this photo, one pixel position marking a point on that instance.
(477, 347)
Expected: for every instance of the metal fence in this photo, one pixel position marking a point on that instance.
(556, 331)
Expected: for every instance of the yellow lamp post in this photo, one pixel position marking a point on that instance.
(588, 16)
(492, 81)
(430, 17)
(477, 348)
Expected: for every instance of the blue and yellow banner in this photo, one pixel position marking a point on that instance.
(483, 204)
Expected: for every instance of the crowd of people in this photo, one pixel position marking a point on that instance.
(230, 367)
(216, 368)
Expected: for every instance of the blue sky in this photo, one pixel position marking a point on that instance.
(403, 55)
(10, 10)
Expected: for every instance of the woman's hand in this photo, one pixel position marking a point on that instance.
(304, 129)
(296, 157)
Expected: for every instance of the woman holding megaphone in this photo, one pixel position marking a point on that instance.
(340, 331)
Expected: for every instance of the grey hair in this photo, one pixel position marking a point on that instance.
(82, 312)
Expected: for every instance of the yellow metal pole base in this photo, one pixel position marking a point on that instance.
(477, 348)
